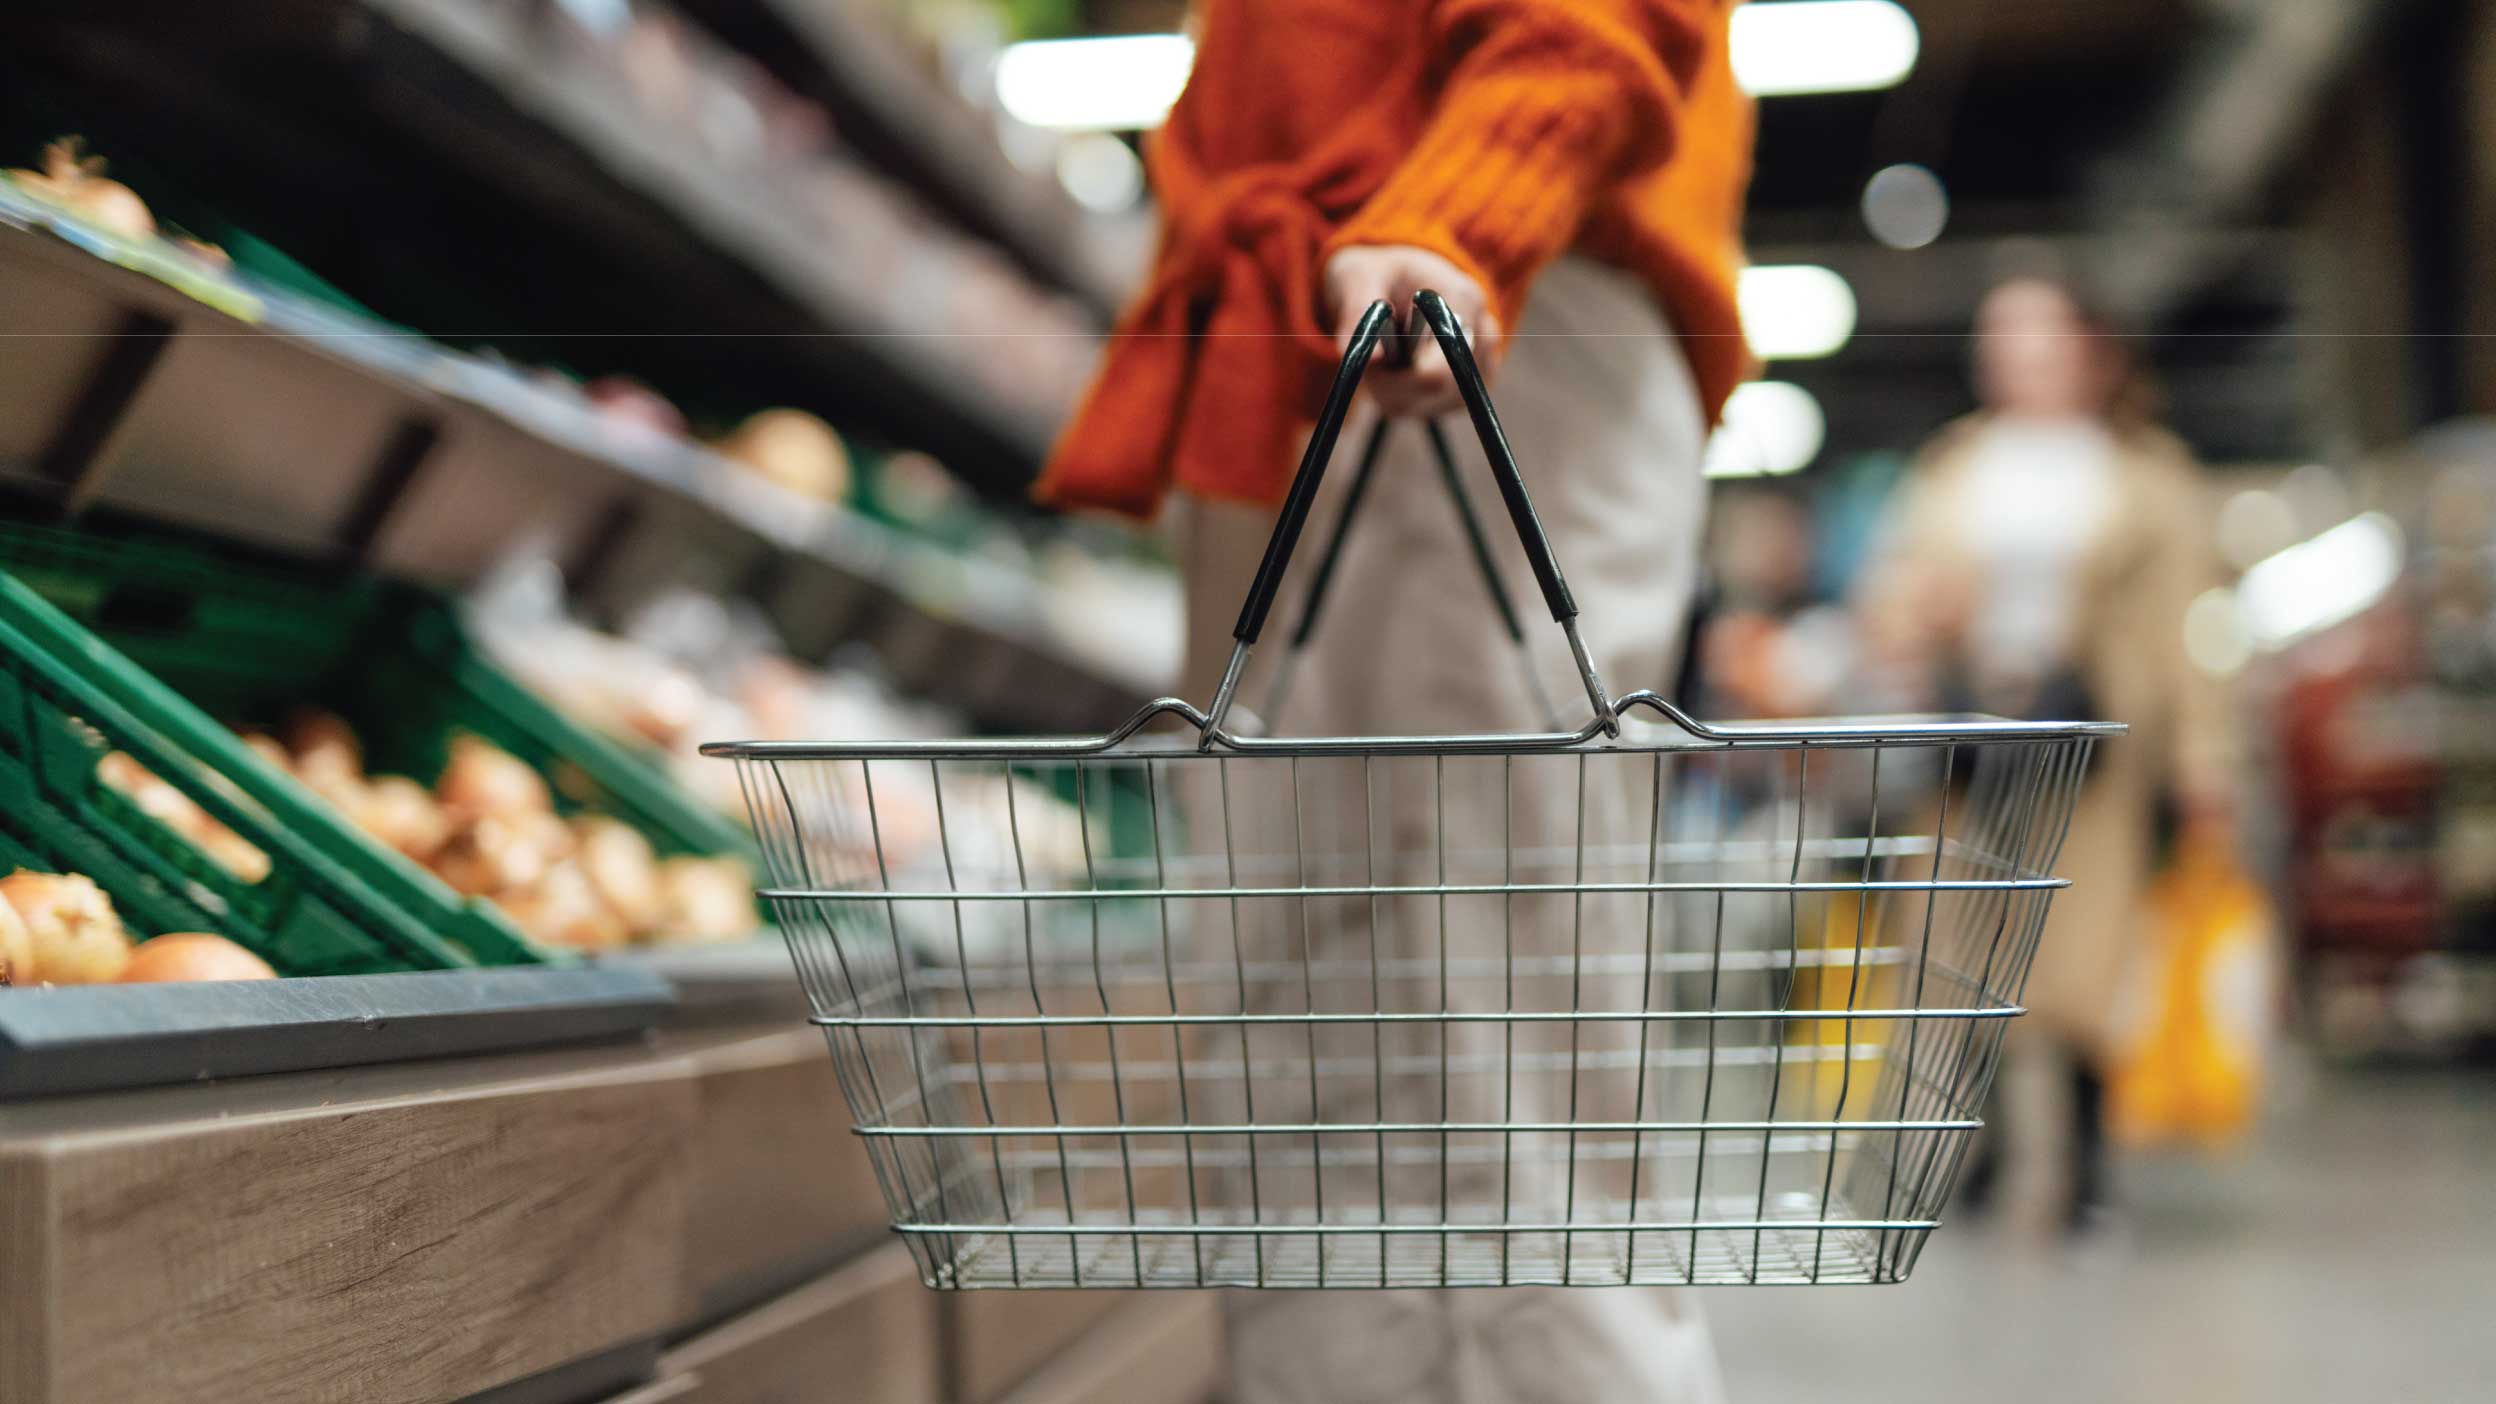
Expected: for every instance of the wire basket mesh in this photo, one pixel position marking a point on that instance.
(1654, 1001)
(1157, 1017)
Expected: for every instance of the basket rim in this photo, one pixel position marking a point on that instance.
(1216, 742)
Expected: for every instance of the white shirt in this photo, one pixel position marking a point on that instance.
(2039, 491)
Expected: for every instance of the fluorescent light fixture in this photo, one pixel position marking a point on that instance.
(1118, 84)
(1795, 312)
(1783, 47)
(1771, 427)
(1127, 82)
(2321, 581)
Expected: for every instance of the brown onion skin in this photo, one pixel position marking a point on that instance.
(192, 956)
(483, 778)
(17, 948)
(76, 937)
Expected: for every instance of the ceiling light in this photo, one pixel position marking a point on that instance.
(1905, 206)
(1822, 46)
(2320, 582)
(1127, 82)
(1118, 84)
(1771, 427)
(1795, 312)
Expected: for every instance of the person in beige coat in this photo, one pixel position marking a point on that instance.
(2039, 562)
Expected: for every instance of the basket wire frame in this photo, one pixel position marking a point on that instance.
(1119, 1021)
(1651, 1002)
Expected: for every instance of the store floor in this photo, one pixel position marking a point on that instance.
(2349, 1255)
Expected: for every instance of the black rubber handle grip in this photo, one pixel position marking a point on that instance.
(1377, 327)
(1451, 337)
(1375, 324)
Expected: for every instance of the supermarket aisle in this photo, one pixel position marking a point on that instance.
(2344, 1258)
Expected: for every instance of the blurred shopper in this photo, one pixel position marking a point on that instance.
(2039, 564)
(1570, 175)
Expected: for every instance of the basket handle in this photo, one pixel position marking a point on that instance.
(1374, 328)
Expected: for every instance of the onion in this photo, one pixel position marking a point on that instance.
(623, 398)
(402, 815)
(916, 488)
(621, 869)
(341, 789)
(795, 450)
(664, 708)
(231, 851)
(482, 778)
(149, 792)
(267, 748)
(564, 909)
(206, 253)
(496, 854)
(193, 956)
(75, 937)
(17, 948)
(323, 745)
(705, 899)
(75, 181)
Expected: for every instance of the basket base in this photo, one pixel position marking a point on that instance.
(1833, 1250)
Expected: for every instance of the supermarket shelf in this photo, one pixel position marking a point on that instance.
(729, 209)
(171, 394)
(78, 1038)
(458, 157)
(888, 106)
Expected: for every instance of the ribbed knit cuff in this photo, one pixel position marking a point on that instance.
(1500, 180)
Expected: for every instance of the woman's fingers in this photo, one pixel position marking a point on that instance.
(1427, 387)
(1359, 276)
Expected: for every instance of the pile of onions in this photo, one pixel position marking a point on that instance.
(71, 935)
(61, 929)
(488, 828)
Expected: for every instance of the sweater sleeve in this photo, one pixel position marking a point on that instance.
(1542, 105)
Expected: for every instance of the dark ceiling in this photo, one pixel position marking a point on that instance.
(2028, 110)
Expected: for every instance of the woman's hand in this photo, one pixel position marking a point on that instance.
(1361, 275)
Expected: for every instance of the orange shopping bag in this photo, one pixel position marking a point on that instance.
(2192, 1069)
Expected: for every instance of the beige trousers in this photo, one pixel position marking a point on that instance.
(1599, 405)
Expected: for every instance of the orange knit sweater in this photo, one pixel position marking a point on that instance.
(1498, 133)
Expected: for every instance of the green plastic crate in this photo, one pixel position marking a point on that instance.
(244, 637)
(66, 700)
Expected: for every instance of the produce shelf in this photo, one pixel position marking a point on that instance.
(893, 111)
(453, 160)
(294, 885)
(222, 405)
(93, 1038)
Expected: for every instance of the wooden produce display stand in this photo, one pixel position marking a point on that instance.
(681, 1216)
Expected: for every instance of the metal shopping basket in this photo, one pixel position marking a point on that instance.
(1650, 1001)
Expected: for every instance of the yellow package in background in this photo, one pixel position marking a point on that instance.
(2207, 1005)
